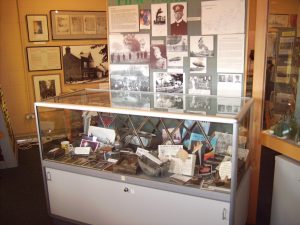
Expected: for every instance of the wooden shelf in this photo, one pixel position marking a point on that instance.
(282, 146)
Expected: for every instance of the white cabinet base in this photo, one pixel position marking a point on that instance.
(286, 192)
(95, 201)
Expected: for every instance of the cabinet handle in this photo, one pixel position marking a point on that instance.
(224, 214)
(126, 189)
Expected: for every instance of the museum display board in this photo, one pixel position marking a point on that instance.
(177, 46)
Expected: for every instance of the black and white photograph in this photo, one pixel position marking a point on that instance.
(202, 46)
(37, 26)
(228, 105)
(158, 57)
(229, 85)
(101, 27)
(200, 84)
(76, 24)
(129, 48)
(198, 64)
(169, 101)
(130, 100)
(159, 21)
(85, 63)
(168, 82)
(129, 77)
(46, 86)
(145, 19)
(175, 59)
(89, 24)
(177, 43)
(198, 103)
(178, 18)
(286, 45)
(62, 24)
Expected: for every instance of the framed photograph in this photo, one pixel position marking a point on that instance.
(46, 86)
(278, 20)
(85, 63)
(75, 25)
(37, 27)
(43, 58)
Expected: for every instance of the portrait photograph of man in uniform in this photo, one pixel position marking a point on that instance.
(178, 18)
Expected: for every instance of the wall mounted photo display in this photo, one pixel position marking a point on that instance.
(76, 25)
(223, 17)
(43, 58)
(46, 86)
(230, 53)
(229, 85)
(37, 27)
(129, 48)
(159, 19)
(124, 18)
(175, 59)
(177, 43)
(85, 63)
(158, 57)
(202, 46)
(168, 82)
(145, 19)
(178, 18)
(200, 84)
(134, 77)
(198, 64)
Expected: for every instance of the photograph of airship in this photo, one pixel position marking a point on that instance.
(177, 43)
(198, 64)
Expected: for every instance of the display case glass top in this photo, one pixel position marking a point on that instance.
(226, 109)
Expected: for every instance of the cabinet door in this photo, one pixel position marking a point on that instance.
(99, 201)
(286, 194)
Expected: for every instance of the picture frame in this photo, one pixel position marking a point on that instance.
(46, 86)
(85, 63)
(43, 58)
(37, 27)
(76, 25)
(278, 20)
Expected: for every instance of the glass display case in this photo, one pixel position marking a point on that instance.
(177, 155)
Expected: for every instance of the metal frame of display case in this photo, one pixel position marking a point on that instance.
(81, 102)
